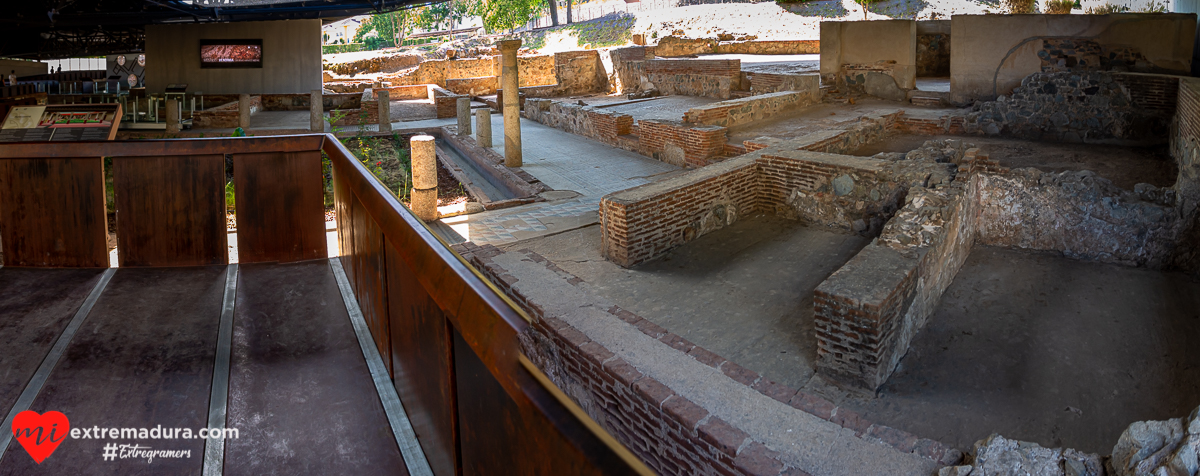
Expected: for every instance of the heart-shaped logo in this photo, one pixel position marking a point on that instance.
(40, 434)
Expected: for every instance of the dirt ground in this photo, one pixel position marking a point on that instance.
(818, 117)
(412, 110)
(1125, 166)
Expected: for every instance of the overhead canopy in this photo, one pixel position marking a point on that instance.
(50, 29)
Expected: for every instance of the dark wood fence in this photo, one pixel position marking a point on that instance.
(447, 336)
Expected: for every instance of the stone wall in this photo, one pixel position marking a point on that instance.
(445, 102)
(629, 68)
(481, 86)
(673, 142)
(703, 78)
(993, 54)
(766, 83)
(933, 55)
(736, 112)
(1078, 106)
(674, 46)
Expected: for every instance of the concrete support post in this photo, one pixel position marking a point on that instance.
(172, 116)
(464, 116)
(483, 127)
(424, 171)
(316, 111)
(385, 110)
(244, 111)
(512, 113)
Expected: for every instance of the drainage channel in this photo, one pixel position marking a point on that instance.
(494, 192)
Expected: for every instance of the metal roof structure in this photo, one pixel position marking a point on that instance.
(49, 29)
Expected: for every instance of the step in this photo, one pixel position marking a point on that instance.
(926, 101)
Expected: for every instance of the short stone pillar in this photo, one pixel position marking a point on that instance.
(483, 127)
(244, 111)
(464, 116)
(316, 111)
(385, 110)
(172, 116)
(509, 82)
(424, 174)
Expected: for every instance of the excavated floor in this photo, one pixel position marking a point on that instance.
(1125, 166)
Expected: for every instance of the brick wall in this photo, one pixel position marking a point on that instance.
(1158, 92)
(225, 116)
(764, 83)
(868, 311)
(646, 221)
(667, 431)
(412, 91)
(445, 102)
(681, 144)
(599, 124)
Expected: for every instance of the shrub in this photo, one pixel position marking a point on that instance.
(1059, 7)
(1019, 6)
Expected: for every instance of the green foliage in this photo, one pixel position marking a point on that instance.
(606, 32)
(381, 31)
(352, 47)
(229, 197)
(501, 15)
(1152, 7)
(239, 132)
(1059, 7)
(1019, 6)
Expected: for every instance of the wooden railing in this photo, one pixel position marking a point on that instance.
(447, 336)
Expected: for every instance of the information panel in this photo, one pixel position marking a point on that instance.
(61, 122)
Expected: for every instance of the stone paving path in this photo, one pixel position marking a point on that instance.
(564, 162)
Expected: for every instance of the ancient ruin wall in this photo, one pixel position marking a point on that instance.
(1079, 106)
(736, 112)
(888, 46)
(992, 54)
(766, 83)
(643, 222)
(703, 78)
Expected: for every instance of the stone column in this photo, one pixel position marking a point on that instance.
(244, 111)
(316, 111)
(424, 171)
(512, 114)
(385, 110)
(464, 116)
(483, 127)
(172, 116)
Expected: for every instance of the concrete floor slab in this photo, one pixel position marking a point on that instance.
(743, 292)
(775, 64)
(670, 108)
(818, 117)
(1042, 348)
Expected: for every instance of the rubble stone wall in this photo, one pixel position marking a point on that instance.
(766, 83)
(736, 112)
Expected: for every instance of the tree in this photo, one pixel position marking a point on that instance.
(553, 12)
(388, 29)
(568, 12)
(500, 15)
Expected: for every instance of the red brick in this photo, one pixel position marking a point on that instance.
(850, 420)
(676, 342)
(722, 436)
(758, 460)
(813, 405)
(623, 372)
(684, 411)
(901, 440)
(653, 391)
(739, 373)
(777, 391)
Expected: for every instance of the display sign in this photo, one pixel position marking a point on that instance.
(61, 122)
(231, 53)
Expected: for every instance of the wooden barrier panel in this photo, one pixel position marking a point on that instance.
(503, 416)
(368, 260)
(422, 363)
(171, 210)
(53, 212)
(280, 206)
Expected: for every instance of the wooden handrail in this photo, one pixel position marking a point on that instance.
(163, 147)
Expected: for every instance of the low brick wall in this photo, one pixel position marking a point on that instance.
(225, 116)
(445, 102)
(673, 142)
(736, 112)
(409, 91)
(868, 311)
(669, 432)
